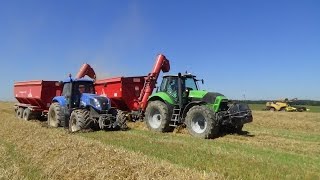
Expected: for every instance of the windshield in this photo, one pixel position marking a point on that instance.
(83, 87)
(191, 84)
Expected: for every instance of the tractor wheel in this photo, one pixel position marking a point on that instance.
(272, 109)
(26, 114)
(19, 113)
(55, 115)
(79, 120)
(122, 119)
(283, 109)
(158, 116)
(201, 122)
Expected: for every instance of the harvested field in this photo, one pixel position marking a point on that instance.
(31, 151)
(275, 146)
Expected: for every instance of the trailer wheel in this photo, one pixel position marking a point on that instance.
(26, 114)
(158, 116)
(201, 122)
(79, 120)
(19, 112)
(55, 115)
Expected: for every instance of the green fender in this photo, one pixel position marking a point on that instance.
(162, 96)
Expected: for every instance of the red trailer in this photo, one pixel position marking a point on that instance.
(124, 92)
(35, 97)
(129, 93)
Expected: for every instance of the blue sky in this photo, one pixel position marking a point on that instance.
(265, 49)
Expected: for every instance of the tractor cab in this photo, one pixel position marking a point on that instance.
(179, 86)
(74, 89)
(188, 82)
(80, 93)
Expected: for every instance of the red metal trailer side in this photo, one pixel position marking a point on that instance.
(35, 95)
(123, 91)
(129, 93)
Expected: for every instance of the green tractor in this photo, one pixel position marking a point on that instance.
(180, 102)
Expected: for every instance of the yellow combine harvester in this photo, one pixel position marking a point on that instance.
(284, 105)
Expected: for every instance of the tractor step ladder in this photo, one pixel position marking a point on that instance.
(175, 118)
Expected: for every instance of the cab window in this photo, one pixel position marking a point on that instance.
(191, 84)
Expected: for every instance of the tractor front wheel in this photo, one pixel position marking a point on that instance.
(158, 116)
(79, 120)
(201, 122)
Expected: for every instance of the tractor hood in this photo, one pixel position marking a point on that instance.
(217, 100)
(208, 97)
(99, 103)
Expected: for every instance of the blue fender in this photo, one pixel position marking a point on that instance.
(61, 100)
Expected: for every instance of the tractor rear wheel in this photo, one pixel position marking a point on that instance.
(55, 115)
(26, 114)
(272, 109)
(201, 122)
(158, 116)
(79, 120)
(19, 112)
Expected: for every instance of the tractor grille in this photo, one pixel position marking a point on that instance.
(239, 108)
(104, 103)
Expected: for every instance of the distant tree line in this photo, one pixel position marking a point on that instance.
(296, 102)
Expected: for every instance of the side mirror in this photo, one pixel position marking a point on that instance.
(202, 81)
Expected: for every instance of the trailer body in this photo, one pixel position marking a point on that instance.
(36, 95)
(123, 91)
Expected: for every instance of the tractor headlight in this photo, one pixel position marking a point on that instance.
(101, 103)
(97, 104)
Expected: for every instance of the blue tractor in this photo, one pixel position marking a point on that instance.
(79, 108)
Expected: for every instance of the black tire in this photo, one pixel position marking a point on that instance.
(283, 109)
(272, 109)
(55, 115)
(27, 115)
(121, 118)
(19, 112)
(158, 116)
(201, 122)
(79, 120)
